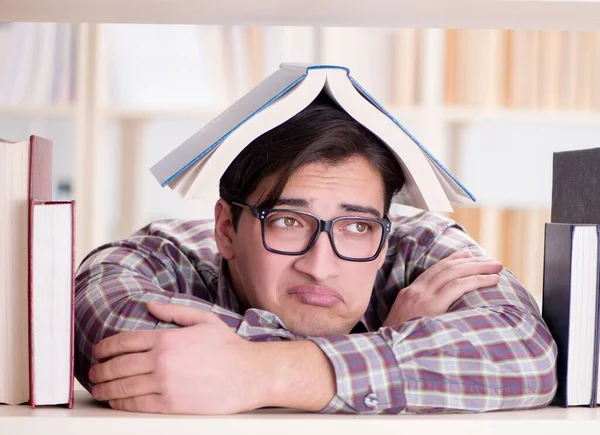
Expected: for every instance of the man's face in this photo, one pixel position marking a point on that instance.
(317, 293)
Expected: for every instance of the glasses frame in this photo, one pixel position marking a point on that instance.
(323, 226)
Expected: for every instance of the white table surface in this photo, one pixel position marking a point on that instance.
(89, 417)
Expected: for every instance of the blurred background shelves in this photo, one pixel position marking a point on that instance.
(492, 105)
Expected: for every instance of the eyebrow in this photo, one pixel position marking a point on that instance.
(292, 202)
(366, 209)
(352, 208)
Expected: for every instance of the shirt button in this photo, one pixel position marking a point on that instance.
(371, 400)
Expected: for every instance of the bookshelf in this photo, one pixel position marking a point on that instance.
(539, 14)
(94, 419)
(562, 117)
(90, 115)
(62, 111)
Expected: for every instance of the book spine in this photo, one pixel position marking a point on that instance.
(30, 304)
(594, 400)
(40, 189)
(556, 305)
(72, 342)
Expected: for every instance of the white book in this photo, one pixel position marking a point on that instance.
(194, 168)
(51, 303)
(14, 191)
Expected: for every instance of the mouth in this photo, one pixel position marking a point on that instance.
(317, 295)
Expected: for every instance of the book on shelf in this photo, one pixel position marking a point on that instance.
(36, 334)
(576, 187)
(51, 298)
(25, 172)
(571, 293)
(523, 69)
(194, 168)
(570, 309)
(405, 67)
(549, 83)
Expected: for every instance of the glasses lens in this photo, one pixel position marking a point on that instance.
(288, 231)
(357, 238)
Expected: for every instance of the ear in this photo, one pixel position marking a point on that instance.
(224, 232)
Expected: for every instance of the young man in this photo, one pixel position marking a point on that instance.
(302, 294)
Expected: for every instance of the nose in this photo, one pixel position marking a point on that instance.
(321, 262)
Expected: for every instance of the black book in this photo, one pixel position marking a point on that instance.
(570, 308)
(576, 187)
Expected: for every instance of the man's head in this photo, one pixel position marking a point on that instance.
(325, 163)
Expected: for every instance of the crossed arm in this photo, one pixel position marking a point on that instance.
(491, 350)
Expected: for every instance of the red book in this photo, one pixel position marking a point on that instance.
(51, 284)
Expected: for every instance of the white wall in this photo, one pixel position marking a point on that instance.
(511, 164)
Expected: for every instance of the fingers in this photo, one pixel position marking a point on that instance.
(176, 313)
(147, 403)
(433, 271)
(464, 268)
(458, 287)
(126, 342)
(143, 340)
(127, 387)
(121, 367)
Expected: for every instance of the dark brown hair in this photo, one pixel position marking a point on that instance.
(322, 132)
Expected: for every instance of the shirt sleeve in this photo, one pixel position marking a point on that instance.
(159, 263)
(490, 351)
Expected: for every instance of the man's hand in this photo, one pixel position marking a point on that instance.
(202, 368)
(438, 287)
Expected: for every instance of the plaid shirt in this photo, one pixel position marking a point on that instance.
(490, 351)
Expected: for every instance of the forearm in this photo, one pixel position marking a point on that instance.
(508, 364)
(118, 303)
(475, 360)
(293, 374)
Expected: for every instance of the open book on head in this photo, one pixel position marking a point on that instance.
(194, 168)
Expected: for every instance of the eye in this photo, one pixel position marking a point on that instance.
(358, 227)
(285, 222)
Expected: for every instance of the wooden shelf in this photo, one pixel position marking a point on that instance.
(532, 14)
(522, 116)
(449, 114)
(150, 113)
(87, 416)
(27, 110)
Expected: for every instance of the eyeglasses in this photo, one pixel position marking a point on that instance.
(294, 232)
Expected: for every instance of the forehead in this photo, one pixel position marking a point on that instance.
(354, 178)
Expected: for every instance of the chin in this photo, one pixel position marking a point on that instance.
(317, 327)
